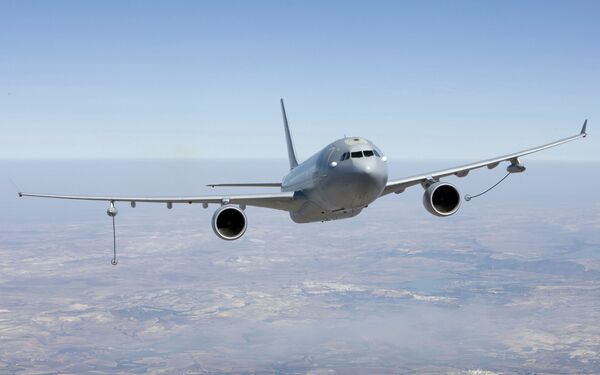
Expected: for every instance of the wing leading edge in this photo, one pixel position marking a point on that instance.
(286, 201)
(398, 186)
(248, 184)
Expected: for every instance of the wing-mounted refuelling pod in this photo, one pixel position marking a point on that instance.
(515, 166)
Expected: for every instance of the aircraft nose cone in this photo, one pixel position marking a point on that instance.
(371, 177)
(357, 182)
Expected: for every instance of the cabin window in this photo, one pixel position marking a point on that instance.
(368, 153)
(357, 154)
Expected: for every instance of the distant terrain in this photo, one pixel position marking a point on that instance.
(510, 284)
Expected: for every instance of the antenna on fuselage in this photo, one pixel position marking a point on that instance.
(288, 138)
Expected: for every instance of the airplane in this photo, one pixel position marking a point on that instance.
(337, 182)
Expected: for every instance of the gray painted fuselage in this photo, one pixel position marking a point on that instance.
(335, 188)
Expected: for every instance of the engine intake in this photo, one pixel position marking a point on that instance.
(229, 222)
(441, 199)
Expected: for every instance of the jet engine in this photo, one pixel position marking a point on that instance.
(441, 199)
(229, 222)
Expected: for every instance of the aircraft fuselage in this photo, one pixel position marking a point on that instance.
(338, 181)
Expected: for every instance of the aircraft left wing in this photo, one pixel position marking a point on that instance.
(398, 186)
(286, 201)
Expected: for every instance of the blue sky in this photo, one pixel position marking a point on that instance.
(436, 80)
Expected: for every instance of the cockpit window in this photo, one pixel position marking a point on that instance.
(359, 154)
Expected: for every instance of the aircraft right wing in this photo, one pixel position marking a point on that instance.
(286, 201)
(398, 186)
(248, 184)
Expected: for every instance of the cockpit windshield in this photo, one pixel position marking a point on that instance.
(359, 154)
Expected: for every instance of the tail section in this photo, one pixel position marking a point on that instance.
(288, 138)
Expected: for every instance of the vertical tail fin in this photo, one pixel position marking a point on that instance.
(288, 138)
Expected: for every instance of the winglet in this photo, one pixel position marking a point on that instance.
(288, 138)
(583, 128)
(17, 188)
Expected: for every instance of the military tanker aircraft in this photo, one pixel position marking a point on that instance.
(337, 182)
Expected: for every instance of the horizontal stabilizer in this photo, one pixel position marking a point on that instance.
(254, 184)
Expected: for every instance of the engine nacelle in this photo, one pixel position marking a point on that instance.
(229, 222)
(441, 199)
